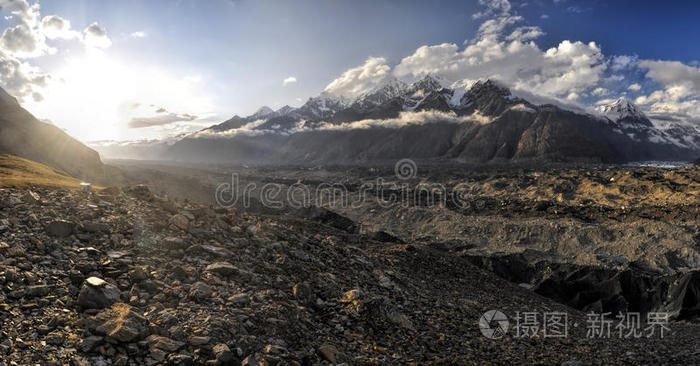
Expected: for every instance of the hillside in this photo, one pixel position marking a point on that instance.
(21, 134)
(18, 173)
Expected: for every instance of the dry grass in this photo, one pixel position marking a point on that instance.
(17, 172)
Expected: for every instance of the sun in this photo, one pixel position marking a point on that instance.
(87, 95)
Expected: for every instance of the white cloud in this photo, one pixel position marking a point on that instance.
(405, 118)
(634, 87)
(289, 80)
(600, 91)
(680, 97)
(618, 63)
(55, 27)
(493, 7)
(159, 117)
(21, 79)
(525, 33)
(24, 38)
(139, 34)
(669, 73)
(566, 70)
(360, 79)
(96, 36)
(544, 16)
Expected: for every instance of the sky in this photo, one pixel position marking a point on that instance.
(133, 70)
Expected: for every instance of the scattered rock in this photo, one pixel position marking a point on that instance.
(97, 293)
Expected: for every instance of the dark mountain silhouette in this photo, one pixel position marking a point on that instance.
(23, 135)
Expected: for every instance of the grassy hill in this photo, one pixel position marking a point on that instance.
(19, 173)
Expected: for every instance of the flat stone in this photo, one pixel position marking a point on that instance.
(164, 343)
(222, 269)
(199, 340)
(60, 228)
(240, 299)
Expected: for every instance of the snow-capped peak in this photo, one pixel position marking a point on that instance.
(391, 87)
(262, 112)
(427, 84)
(384, 91)
(620, 109)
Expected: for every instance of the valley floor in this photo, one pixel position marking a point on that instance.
(180, 283)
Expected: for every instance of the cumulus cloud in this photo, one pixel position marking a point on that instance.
(27, 38)
(360, 79)
(96, 36)
(566, 70)
(139, 34)
(24, 38)
(679, 98)
(600, 91)
(621, 62)
(669, 73)
(55, 27)
(493, 7)
(634, 87)
(289, 80)
(21, 79)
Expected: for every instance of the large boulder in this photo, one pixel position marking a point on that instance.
(120, 323)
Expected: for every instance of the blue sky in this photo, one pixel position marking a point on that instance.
(204, 61)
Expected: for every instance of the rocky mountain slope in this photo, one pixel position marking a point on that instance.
(124, 277)
(424, 120)
(21, 134)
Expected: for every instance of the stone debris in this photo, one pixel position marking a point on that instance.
(115, 277)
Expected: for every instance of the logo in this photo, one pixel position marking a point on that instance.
(493, 324)
(405, 169)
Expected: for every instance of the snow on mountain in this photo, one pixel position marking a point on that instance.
(262, 112)
(284, 110)
(323, 106)
(621, 109)
(385, 91)
(466, 97)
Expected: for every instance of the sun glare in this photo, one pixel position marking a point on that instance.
(94, 97)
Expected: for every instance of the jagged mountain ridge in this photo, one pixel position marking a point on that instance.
(485, 124)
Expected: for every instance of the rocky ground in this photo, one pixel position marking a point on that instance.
(122, 277)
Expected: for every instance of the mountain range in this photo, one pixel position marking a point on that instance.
(481, 123)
